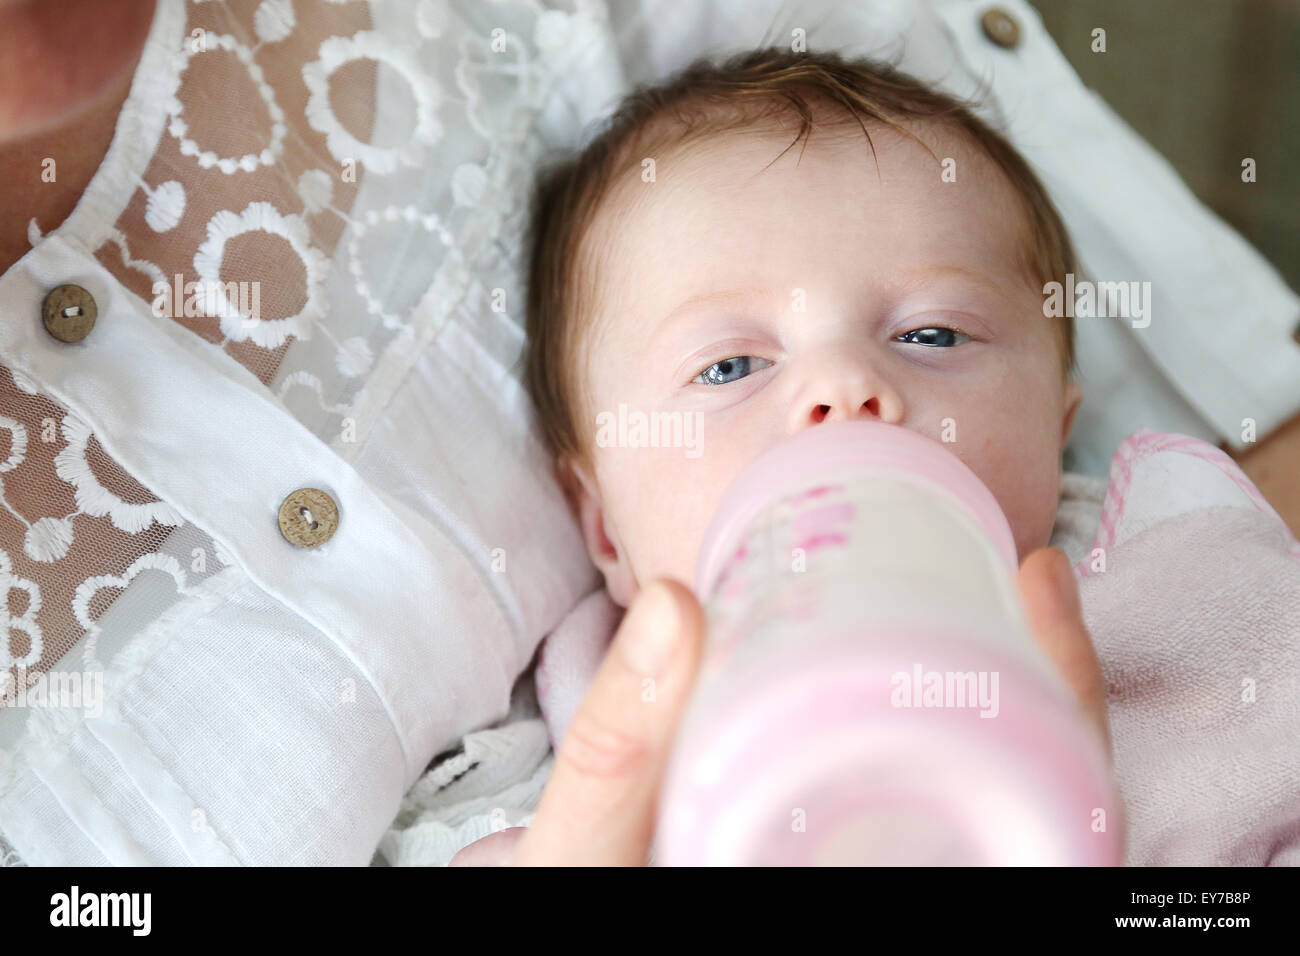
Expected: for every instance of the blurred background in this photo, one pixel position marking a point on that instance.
(1207, 83)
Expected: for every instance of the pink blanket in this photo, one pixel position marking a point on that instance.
(1192, 596)
(1191, 592)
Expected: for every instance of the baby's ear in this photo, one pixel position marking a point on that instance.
(566, 474)
(1073, 399)
(606, 552)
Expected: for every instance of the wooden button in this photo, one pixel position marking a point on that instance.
(1001, 27)
(69, 313)
(308, 517)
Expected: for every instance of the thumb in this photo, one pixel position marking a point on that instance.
(492, 850)
(1051, 599)
(598, 807)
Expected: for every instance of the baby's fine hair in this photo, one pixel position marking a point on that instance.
(705, 99)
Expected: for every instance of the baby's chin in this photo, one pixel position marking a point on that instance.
(1032, 534)
(1028, 495)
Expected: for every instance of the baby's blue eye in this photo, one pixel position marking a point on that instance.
(943, 338)
(728, 370)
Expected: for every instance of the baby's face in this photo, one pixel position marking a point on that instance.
(772, 300)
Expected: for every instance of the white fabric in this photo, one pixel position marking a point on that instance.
(1077, 514)
(268, 704)
(570, 657)
(493, 780)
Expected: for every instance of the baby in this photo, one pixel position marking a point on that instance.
(790, 239)
(697, 259)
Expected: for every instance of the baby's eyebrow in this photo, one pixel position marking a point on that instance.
(720, 297)
(916, 278)
(910, 280)
(683, 310)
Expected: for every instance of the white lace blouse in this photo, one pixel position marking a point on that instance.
(229, 677)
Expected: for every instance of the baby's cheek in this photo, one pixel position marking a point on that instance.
(1031, 510)
(663, 521)
(1021, 473)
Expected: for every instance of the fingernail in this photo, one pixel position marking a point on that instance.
(648, 640)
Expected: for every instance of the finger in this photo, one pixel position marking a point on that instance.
(492, 850)
(1051, 599)
(598, 807)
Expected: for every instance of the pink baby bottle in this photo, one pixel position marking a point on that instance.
(871, 693)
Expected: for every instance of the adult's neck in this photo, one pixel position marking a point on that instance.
(58, 57)
(65, 70)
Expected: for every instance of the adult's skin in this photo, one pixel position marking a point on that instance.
(65, 70)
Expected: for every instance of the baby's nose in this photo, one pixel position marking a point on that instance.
(844, 411)
(843, 383)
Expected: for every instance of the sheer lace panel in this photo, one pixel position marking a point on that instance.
(76, 532)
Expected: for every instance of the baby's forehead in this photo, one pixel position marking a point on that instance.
(936, 144)
(691, 193)
(669, 184)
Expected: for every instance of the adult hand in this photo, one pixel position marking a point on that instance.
(1050, 596)
(598, 807)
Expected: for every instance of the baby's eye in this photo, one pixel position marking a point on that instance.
(729, 370)
(940, 336)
